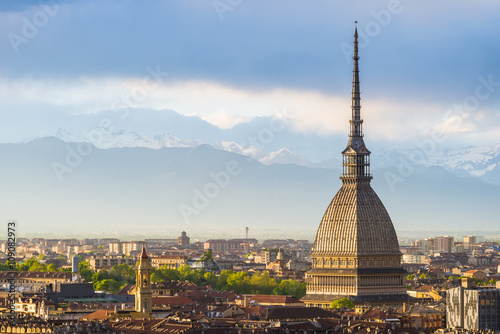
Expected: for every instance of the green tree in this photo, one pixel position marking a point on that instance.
(207, 256)
(109, 285)
(101, 275)
(157, 275)
(211, 279)
(410, 277)
(342, 302)
(186, 273)
(291, 287)
(26, 265)
(451, 277)
(480, 282)
(86, 271)
(5, 266)
(262, 283)
(239, 282)
(123, 273)
(51, 267)
(37, 266)
(169, 274)
(424, 276)
(222, 280)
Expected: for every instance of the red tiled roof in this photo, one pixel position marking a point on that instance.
(99, 315)
(274, 299)
(126, 289)
(172, 300)
(35, 274)
(473, 271)
(375, 314)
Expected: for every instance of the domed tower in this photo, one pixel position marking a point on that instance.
(143, 292)
(356, 253)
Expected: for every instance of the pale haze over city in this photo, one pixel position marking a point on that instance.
(122, 118)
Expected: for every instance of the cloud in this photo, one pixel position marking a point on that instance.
(224, 119)
(260, 45)
(385, 119)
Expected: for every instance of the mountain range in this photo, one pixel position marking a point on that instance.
(284, 146)
(113, 179)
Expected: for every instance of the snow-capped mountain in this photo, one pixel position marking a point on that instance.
(249, 151)
(123, 138)
(308, 149)
(284, 156)
(482, 162)
(476, 161)
(126, 138)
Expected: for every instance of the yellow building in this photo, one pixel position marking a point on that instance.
(143, 292)
(34, 281)
(169, 261)
(107, 262)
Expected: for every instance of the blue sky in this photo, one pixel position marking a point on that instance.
(229, 60)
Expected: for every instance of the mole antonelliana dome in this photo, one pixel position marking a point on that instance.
(356, 223)
(356, 252)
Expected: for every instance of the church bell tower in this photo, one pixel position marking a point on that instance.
(143, 292)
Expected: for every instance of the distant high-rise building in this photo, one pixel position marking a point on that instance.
(428, 246)
(356, 253)
(469, 242)
(473, 308)
(223, 246)
(75, 263)
(444, 244)
(125, 248)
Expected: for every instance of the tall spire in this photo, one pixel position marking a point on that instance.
(356, 161)
(356, 120)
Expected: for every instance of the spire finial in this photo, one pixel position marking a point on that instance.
(356, 99)
(143, 254)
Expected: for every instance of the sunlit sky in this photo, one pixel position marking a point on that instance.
(426, 66)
